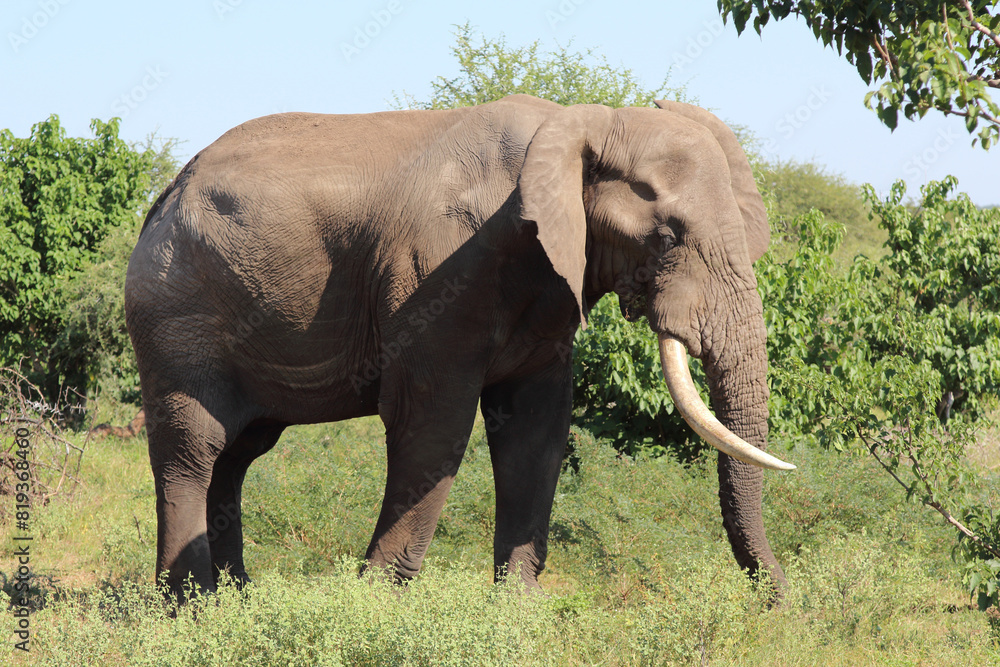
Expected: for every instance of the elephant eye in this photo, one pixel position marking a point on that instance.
(668, 239)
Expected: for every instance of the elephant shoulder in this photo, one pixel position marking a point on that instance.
(522, 111)
(528, 101)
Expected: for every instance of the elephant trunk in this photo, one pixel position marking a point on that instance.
(673, 358)
(738, 386)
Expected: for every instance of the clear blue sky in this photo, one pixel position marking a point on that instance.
(191, 69)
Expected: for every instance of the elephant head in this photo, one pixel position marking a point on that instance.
(661, 207)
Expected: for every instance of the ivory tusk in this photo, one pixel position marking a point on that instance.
(673, 357)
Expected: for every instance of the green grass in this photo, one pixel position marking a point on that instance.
(639, 571)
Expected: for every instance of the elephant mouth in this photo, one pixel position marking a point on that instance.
(673, 358)
(632, 305)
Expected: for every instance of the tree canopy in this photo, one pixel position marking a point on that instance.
(493, 69)
(925, 54)
(60, 197)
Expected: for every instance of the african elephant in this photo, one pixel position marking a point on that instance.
(413, 264)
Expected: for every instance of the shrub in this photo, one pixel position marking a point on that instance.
(445, 617)
(619, 392)
(903, 357)
(59, 197)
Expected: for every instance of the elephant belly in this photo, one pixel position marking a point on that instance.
(303, 378)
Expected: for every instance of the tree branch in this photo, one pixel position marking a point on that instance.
(947, 29)
(976, 25)
(982, 112)
(929, 501)
(883, 53)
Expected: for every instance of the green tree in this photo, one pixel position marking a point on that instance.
(927, 54)
(798, 187)
(60, 197)
(492, 69)
(863, 361)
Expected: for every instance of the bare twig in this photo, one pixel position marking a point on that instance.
(930, 500)
(137, 529)
(56, 461)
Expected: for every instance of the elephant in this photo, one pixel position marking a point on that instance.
(421, 264)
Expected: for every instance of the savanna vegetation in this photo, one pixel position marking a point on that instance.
(884, 337)
(924, 54)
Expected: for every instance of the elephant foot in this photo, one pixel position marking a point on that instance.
(238, 578)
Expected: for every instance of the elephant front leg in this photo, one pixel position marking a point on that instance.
(426, 438)
(527, 424)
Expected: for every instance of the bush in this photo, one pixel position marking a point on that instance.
(703, 618)
(92, 334)
(852, 586)
(59, 197)
(443, 618)
(619, 392)
(902, 359)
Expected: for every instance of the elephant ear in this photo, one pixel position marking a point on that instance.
(551, 186)
(758, 233)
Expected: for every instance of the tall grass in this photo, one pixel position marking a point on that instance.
(639, 571)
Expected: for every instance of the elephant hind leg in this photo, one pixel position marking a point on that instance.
(186, 436)
(224, 515)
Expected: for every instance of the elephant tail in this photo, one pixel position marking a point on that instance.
(155, 208)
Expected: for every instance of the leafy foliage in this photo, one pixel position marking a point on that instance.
(795, 188)
(493, 69)
(933, 298)
(946, 259)
(930, 54)
(881, 358)
(59, 197)
(619, 392)
(92, 335)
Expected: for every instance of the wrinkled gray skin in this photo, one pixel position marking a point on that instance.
(310, 268)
